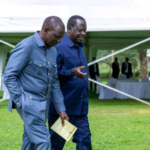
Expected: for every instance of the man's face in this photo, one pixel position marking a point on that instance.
(53, 37)
(77, 33)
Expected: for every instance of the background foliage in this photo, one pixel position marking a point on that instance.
(105, 65)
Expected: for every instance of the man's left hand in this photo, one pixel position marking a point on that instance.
(63, 117)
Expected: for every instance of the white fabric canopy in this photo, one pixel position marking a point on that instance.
(6, 94)
(3, 55)
(28, 15)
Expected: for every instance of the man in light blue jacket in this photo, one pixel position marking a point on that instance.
(31, 78)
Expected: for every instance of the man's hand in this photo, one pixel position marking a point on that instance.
(76, 72)
(63, 117)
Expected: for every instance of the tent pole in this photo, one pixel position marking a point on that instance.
(6, 43)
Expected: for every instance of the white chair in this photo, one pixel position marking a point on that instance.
(145, 79)
(112, 82)
(98, 86)
(122, 76)
(100, 90)
(109, 94)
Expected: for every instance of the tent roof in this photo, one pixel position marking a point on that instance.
(101, 39)
(101, 15)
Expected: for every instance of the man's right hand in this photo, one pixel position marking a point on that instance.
(63, 117)
(76, 72)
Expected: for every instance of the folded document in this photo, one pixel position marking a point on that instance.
(66, 131)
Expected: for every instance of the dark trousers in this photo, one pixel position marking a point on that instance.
(82, 136)
(94, 78)
(115, 75)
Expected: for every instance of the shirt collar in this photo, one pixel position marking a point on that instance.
(38, 39)
(70, 42)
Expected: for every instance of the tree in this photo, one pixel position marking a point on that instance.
(108, 61)
(143, 65)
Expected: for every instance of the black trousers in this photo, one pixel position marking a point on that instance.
(94, 78)
(115, 75)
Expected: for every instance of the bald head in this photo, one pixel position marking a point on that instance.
(52, 22)
(52, 31)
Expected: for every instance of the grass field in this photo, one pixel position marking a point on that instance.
(115, 125)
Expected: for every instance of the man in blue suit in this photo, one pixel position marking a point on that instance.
(31, 78)
(72, 72)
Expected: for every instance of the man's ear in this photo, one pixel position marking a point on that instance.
(69, 29)
(46, 30)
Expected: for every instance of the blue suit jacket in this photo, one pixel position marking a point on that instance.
(31, 77)
(75, 90)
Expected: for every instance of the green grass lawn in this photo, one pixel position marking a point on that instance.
(115, 125)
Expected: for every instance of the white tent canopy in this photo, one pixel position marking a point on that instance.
(101, 15)
(3, 54)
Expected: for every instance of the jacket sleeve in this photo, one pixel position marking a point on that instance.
(18, 60)
(118, 67)
(63, 74)
(56, 94)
